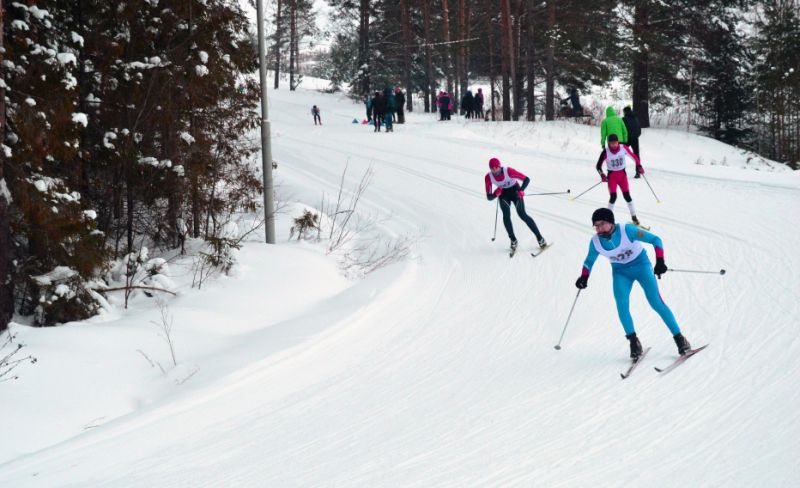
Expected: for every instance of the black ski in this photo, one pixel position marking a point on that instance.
(680, 360)
(634, 363)
(542, 249)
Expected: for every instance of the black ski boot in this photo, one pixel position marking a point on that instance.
(514, 244)
(542, 243)
(636, 346)
(682, 343)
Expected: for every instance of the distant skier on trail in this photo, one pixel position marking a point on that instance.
(615, 155)
(315, 113)
(621, 244)
(507, 179)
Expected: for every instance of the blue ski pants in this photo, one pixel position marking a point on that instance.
(641, 271)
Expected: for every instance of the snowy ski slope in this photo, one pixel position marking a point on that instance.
(440, 371)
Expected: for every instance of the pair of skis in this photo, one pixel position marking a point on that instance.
(534, 254)
(675, 364)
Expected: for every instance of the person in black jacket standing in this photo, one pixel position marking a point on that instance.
(400, 101)
(634, 131)
(378, 110)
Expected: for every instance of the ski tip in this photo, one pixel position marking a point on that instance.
(658, 369)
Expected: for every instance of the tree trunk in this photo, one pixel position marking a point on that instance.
(530, 73)
(292, 39)
(426, 14)
(550, 80)
(448, 58)
(278, 36)
(462, 46)
(130, 208)
(6, 285)
(516, 80)
(492, 73)
(508, 62)
(467, 51)
(363, 46)
(406, 20)
(641, 89)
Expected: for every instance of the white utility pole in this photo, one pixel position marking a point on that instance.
(266, 146)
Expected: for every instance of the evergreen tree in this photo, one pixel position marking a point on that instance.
(777, 79)
(125, 126)
(720, 67)
(56, 248)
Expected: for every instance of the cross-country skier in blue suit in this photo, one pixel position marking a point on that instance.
(629, 263)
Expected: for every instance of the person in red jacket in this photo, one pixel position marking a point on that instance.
(615, 155)
(507, 179)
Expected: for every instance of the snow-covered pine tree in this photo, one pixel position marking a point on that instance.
(720, 69)
(777, 81)
(56, 247)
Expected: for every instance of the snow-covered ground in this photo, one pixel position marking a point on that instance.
(440, 370)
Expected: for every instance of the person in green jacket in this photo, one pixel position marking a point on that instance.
(612, 124)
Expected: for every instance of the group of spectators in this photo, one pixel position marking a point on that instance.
(471, 105)
(382, 107)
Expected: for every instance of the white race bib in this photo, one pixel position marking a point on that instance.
(626, 252)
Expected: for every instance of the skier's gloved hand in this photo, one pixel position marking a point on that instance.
(582, 282)
(521, 194)
(639, 170)
(603, 177)
(490, 196)
(660, 268)
(498, 192)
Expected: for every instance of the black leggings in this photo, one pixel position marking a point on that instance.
(505, 205)
(613, 197)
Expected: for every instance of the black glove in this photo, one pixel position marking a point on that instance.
(582, 282)
(660, 268)
(490, 196)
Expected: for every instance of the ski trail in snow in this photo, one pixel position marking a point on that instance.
(441, 371)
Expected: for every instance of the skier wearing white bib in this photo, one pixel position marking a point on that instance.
(615, 156)
(621, 244)
(507, 179)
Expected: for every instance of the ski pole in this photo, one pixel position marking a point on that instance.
(549, 193)
(720, 272)
(590, 188)
(495, 220)
(651, 188)
(558, 346)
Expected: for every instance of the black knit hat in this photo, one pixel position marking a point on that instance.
(603, 214)
(612, 138)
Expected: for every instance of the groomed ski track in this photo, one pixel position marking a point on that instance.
(440, 371)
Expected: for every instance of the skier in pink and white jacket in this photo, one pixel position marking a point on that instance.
(615, 156)
(507, 179)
